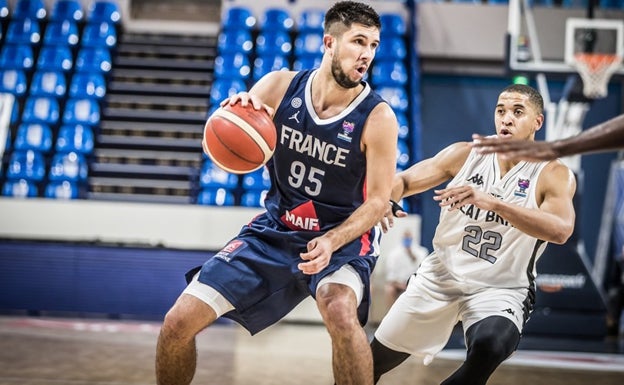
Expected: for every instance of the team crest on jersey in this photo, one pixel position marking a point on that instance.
(523, 185)
(228, 249)
(347, 131)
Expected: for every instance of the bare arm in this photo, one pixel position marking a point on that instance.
(606, 136)
(380, 143)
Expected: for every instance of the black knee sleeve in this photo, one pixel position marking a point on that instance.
(385, 359)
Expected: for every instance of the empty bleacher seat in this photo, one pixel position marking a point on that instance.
(307, 62)
(311, 20)
(23, 31)
(33, 136)
(257, 180)
(273, 42)
(235, 40)
(224, 88)
(103, 11)
(93, 59)
(403, 125)
(82, 111)
(28, 165)
(99, 35)
(238, 18)
(41, 109)
(276, 19)
(17, 56)
(232, 66)
(13, 81)
(20, 188)
(61, 190)
(87, 85)
(67, 10)
(389, 73)
(29, 9)
(5, 12)
(69, 166)
(392, 24)
(393, 48)
(75, 138)
(63, 32)
(55, 58)
(403, 154)
(396, 97)
(216, 197)
(267, 63)
(309, 43)
(253, 198)
(212, 176)
(48, 83)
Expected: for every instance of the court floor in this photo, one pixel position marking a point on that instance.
(57, 351)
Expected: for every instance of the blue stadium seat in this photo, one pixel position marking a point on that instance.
(8, 144)
(309, 43)
(33, 136)
(67, 10)
(238, 18)
(232, 66)
(13, 81)
(211, 176)
(392, 24)
(64, 32)
(224, 88)
(403, 155)
(393, 47)
(235, 40)
(216, 197)
(103, 11)
(257, 180)
(307, 62)
(48, 83)
(87, 85)
(267, 63)
(75, 138)
(18, 57)
(5, 12)
(396, 97)
(91, 59)
(29, 9)
(99, 35)
(20, 188)
(28, 165)
(61, 190)
(311, 20)
(23, 31)
(403, 125)
(69, 166)
(276, 19)
(55, 58)
(41, 109)
(82, 111)
(271, 42)
(253, 198)
(389, 73)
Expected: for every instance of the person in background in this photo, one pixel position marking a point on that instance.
(615, 296)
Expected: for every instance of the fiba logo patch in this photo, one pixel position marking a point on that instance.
(228, 249)
(296, 102)
(523, 185)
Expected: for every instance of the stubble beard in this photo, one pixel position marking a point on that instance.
(340, 76)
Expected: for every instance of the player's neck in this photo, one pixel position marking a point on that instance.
(328, 97)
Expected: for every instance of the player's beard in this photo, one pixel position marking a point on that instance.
(339, 75)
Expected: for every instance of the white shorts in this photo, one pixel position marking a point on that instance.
(346, 275)
(422, 319)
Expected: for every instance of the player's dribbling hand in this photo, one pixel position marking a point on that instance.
(245, 98)
(317, 257)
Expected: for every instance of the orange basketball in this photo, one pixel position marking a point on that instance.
(239, 139)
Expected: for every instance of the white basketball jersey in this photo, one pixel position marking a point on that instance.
(480, 247)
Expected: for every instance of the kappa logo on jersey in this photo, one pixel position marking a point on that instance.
(347, 130)
(523, 185)
(228, 249)
(476, 179)
(302, 217)
(510, 311)
(295, 117)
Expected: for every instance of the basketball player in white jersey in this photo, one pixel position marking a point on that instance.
(496, 218)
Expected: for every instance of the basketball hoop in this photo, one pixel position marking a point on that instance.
(596, 69)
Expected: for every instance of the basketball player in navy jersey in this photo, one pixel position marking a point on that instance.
(331, 177)
(496, 218)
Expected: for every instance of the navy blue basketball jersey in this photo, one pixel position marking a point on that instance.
(318, 170)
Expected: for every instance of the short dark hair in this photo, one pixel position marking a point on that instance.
(348, 13)
(534, 96)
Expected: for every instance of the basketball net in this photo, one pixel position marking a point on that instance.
(596, 69)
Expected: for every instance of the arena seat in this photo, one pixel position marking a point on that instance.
(41, 109)
(267, 63)
(223, 88)
(23, 31)
(257, 180)
(212, 176)
(389, 73)
(235, 40)
(82, 111)
(20, 188)
(28, 165)
(63, 32)
(13, 81)
(103, 11)
(273, 42)
(55, 58)
(392, 47)
(87, 85)
(67, 10)
(33, 136)
(99, 35)
(253, 198)
(93, 59)
(311, 20)
(307, 62)
(232, 66)
(392, 24)
(29, 9)
(403, 154)
(5, 12)
(276, 19)
(238, 18)
(216, 197)
(69, 166)
(61, 190)
(395, 96)
(17, 56)
(403, 125)
(75, 138)
(48, 83)
(309, 43)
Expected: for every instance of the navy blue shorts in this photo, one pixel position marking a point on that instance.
(257, 271)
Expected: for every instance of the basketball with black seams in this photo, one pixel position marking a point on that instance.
(239, 139)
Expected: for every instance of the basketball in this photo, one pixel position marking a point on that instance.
(239, 139)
